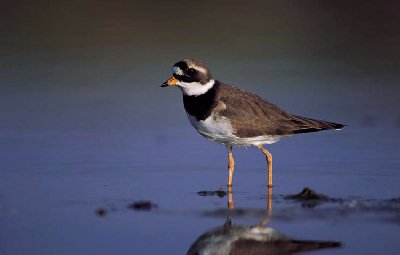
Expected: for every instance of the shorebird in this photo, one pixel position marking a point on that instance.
(235, 117)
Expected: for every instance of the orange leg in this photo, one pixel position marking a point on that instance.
(230, 198)
(231, 166)
(268, 157)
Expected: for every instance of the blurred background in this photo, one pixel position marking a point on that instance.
(116, 53)
(84, 122)
(61, 61)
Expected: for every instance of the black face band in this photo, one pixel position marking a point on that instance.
(190, 77)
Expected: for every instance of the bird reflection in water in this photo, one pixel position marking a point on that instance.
(252, 240)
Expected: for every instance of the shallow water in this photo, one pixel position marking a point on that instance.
(69, 151)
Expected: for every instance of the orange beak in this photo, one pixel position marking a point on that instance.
(171, 82)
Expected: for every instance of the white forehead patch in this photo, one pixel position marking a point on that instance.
(177, 70)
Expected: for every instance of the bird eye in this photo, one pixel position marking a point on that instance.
(191, 71)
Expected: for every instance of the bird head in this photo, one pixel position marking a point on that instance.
(191, 76)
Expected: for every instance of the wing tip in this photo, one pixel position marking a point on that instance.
(338, 126)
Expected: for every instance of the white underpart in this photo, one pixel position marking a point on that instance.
(219, 129)
(177, 70)
(195, 88)
(257, 140)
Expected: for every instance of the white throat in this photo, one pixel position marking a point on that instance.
(195, 88)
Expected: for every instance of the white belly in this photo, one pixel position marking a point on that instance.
(220, 130)
(216, 129)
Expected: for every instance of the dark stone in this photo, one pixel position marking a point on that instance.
(142, 206)
(101, 212)
(307, 194)
(221, 193)
(310, 198)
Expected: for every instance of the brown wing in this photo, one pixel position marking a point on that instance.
(252, 116)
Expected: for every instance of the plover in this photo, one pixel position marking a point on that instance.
(235, 117)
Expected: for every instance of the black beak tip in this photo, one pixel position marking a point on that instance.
(164, 85)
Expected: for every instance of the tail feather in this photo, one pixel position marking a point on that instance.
(306, 125)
